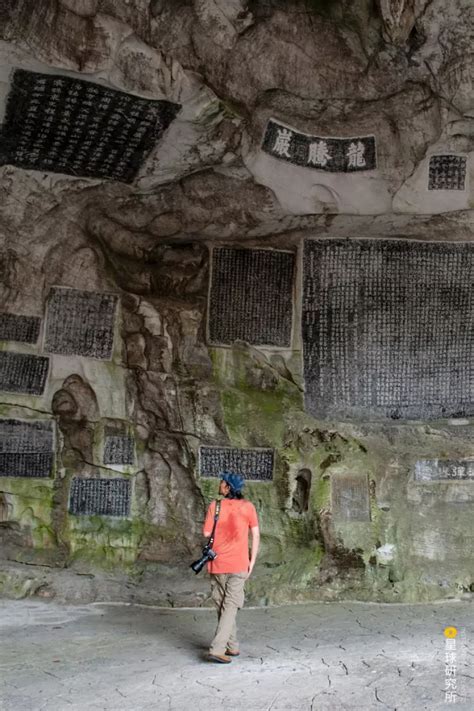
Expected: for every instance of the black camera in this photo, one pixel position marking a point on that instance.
(207, 555)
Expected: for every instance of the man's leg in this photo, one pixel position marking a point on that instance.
(226, 633)
(218, 583)
(233, 644)
(218, 591)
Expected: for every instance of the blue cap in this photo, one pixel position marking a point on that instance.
(235, 481)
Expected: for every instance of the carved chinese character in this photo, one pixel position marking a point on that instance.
(318, 153)
(283, 142)
(355, 155)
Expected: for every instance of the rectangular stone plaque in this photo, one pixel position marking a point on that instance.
(23, 373)
(65, 125)
(26, 448)
(350, 497)
(447, 172)
(253, 464)
(334, 155)
(80, 323)
(22, 329)
(251, 296)
(118, 449)
(444, 469)
(100, 497)
(387, 329)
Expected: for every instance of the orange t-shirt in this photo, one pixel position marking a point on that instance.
(231, 538)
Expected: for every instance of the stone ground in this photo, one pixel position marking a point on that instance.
(311, 657)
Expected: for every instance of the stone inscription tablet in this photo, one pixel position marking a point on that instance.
(23, 373)
(26, 448)
(100, 497)
(350, 497)
(335, 155)
(80, 323)
(65, 125)
(444, 469)
(254, 464)
(118, 449)
(447, 173)
(251, 296)
(22, 329)
(388, 329)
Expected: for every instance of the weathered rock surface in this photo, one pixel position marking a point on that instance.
(397, 70)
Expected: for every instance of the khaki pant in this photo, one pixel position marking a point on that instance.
(227, 591)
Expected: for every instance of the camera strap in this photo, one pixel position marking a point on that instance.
(216, 517)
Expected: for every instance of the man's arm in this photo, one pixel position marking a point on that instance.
(209, 520)
(255, 546)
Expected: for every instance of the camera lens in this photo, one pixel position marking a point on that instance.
(198, 565)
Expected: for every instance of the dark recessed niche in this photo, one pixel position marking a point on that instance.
(300, 501)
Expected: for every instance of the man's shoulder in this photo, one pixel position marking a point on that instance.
(242, 504)
(245, 503)
(249, 507)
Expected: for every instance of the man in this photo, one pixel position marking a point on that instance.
(232, 566)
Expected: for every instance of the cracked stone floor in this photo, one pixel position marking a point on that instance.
(312, 657)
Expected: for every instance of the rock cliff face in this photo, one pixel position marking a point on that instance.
(139, 138)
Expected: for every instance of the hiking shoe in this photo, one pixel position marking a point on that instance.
(219, 658)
